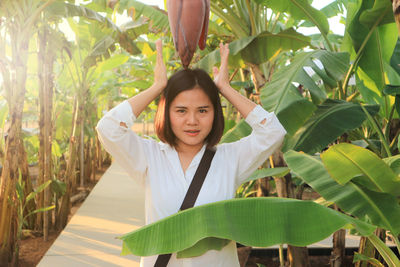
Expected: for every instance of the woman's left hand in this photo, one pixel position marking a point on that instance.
(221, 76)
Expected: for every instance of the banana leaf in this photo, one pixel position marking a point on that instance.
(282, 97)
(363, 18)
(394, 163)
(211, 59)
(299, 9)
(370, 16)
(266, 45)
(331, 10)
(65, 10)
(266, 172)
(136, 9)
(260, 222)
(354, 161)
(395, 59)
(258, 49)
(380, 209)
(239, 131)
(330, 120)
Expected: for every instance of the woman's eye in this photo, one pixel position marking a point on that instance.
(180, 111)
(203, 110)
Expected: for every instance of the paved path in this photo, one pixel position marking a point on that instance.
(114, 207)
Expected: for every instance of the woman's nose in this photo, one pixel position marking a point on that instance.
(192, 118)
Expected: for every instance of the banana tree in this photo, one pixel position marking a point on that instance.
(95, 42)
(359, 182)
(18, 25)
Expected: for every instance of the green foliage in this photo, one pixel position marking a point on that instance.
(281, 96)
(301, 10)
(381, 209)
(295, 222)
(137, 9)
(331, 119)
(366, 166)
(241, 129)
(361, 257)
(23, 201)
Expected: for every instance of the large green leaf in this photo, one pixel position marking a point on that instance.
(266, 172)
(238, 24)
(363, 21)
(395, 59)
(381, 209)
(281, 96)
(394, 163)
(158, 17)
(290, 221)
(66, 10)
(299, 9)
(346, 161)
(377, 52)
(259, 48)
(266, 45)
(380, 12)
(240, 130)
(211, 59)
(111, 63)
(330, 120)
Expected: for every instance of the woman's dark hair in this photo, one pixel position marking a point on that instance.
(186, 80)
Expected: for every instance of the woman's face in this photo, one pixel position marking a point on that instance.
(191, 116)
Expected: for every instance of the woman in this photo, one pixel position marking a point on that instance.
(189, 119)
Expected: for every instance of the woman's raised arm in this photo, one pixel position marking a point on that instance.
(140, 101)
(221, 78)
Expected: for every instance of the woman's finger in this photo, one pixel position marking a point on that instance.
(159, 49)
(215, 72)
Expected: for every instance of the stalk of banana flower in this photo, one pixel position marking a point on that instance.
(188, 20)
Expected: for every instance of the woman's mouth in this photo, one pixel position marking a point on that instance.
(192, 132)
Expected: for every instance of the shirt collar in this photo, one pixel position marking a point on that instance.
(170, 149)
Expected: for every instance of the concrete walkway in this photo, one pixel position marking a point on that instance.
(114, 207)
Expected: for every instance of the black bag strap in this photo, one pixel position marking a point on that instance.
(191, 194)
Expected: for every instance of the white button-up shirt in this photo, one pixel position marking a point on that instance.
(157, 167)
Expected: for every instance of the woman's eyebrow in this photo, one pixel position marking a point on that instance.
(207, 106)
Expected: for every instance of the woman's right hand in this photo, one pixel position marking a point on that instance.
(160, 72)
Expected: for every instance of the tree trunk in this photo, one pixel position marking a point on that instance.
(339, 246)
(46, 58)
(15, 97)
(99, 155)
(368, 249)
(94, 158)
(257, 77)
(88, 161)
(297, 256)
(31, 205)
(69, 177)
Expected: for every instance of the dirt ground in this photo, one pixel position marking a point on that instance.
(33, 249)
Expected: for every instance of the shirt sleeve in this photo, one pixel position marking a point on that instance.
(267, 135)
(127, 148)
